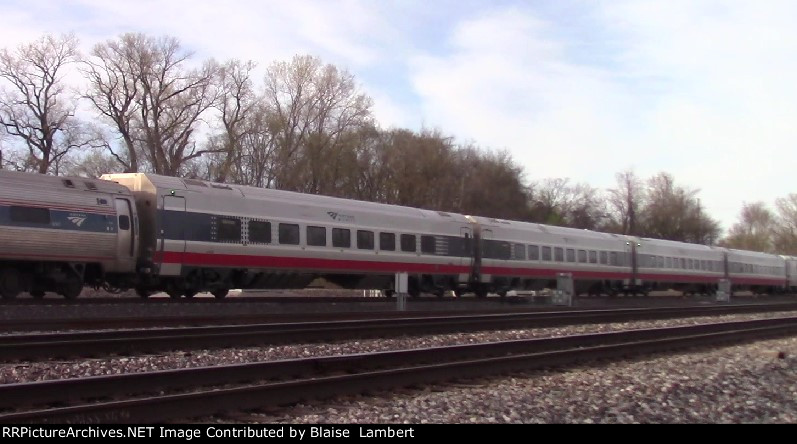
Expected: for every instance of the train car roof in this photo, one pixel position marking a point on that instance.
(679, 244)
(64, 183)
(162, 183)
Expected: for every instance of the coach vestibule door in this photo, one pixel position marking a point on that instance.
(172, 235)
(466, 258)
(125, 236)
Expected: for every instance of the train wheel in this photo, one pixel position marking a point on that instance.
(37, 294)
(480, 291)
(71, 289)
(220, 293)
(142, 293)
(388, 293)
(190, 294)
(174, 289)
(10, 285)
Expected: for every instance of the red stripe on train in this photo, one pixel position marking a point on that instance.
(231, 260)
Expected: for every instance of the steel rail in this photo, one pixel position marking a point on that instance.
(14, 324)
(317, 378)
(58, 345)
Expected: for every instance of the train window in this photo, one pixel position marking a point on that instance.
(428, 244)
(604, 257)
(667, 262)
(316, 236)
(229, 229)
(613, 259)
(259, 232)
(365, 240)
(683, 264)
(582, 255)
(124, 222)
(534, 253)
(559, 254)
(520, 252)
(660, 261)
(546, 254)
(494, 249)
(341, 237)
(571, 255)
(30, 215)
(289, 234)
(593, 257)
(408, 243)
(387, 241)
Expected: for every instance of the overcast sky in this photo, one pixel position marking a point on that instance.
(704, 90)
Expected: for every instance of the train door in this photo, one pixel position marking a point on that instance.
(172, 235)
(725, 268)
(467, 258)
(484, 250)
(126, 235)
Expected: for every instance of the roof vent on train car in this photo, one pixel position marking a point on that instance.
(91, 186)
(444, 214)
(194, 182)
(220, 186)
(68, 183)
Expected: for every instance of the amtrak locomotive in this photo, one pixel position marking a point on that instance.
(184, 236)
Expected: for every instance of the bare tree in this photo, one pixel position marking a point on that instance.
(785, 227)
(237, 103)
(549, 200)
(754, 230)
(555, 201)
(35, 108)
(173, 98)
(114, 90)
(626, 201)
(316, 112)
(674, 213)
(93, 164)
(144, 87)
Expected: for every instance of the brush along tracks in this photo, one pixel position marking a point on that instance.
(204, 391)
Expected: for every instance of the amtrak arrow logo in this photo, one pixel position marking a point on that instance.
(77, 220)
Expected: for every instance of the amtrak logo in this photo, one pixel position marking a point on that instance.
(340, 217)
(77, 220)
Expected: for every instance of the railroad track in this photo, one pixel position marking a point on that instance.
(247, 386)
(60, 345)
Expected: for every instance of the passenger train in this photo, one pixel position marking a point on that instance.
(183, 236)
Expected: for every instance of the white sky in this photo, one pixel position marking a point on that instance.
(704, 90)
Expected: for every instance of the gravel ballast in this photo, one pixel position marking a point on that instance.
(755, 382)
(751, 383)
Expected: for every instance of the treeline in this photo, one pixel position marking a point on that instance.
(148, 106)
(761, 229)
